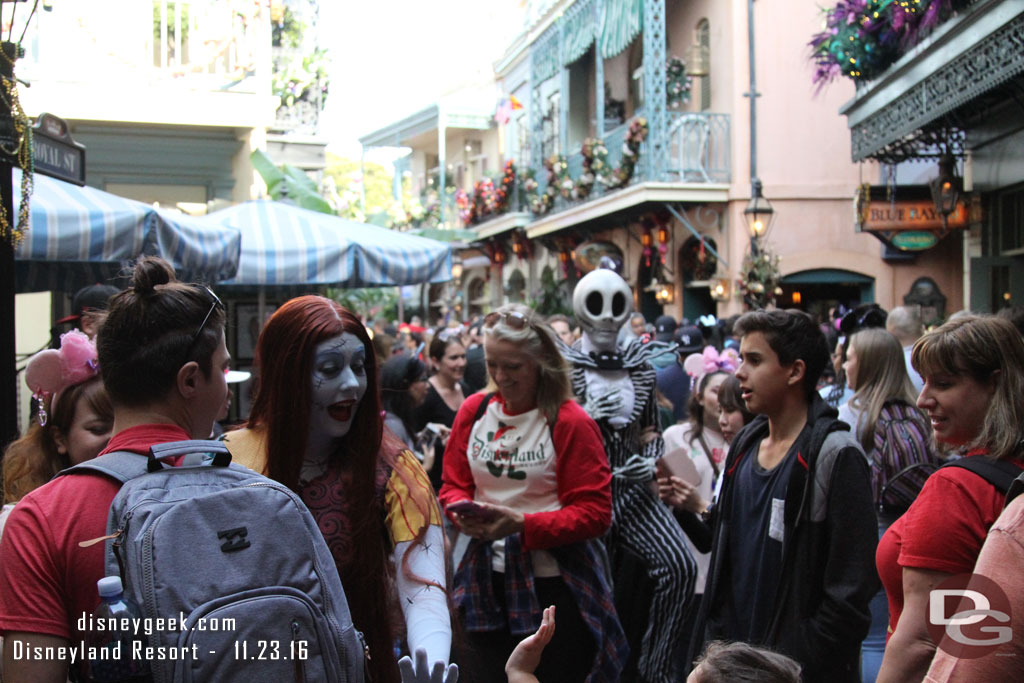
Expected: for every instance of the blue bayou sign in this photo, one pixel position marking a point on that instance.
(55, 153)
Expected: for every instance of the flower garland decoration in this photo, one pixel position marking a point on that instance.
(635, 136)
(678, 84)
(857, 41)
(11, 231)
(540, 203)
(504, 191)
(863, 38)
(486, 199)
(483, 200)
(465, 206)
(558, 176)
(595, 166)
(595, 170)
(759, 283)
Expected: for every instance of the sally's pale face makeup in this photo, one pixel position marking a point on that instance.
(339, 382)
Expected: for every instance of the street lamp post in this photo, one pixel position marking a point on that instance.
(759, 213)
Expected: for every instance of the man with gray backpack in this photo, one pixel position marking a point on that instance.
(232, 576)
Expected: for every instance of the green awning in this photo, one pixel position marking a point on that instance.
(827, 276)
(544, 56)
(578, 31)
(623, 21)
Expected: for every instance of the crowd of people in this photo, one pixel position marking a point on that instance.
(771, 497)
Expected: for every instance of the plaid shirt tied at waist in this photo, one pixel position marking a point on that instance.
(581, 570)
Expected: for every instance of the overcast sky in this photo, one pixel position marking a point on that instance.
(391, 58)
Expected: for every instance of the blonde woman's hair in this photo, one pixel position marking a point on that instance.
(881, 377)
(538, 340)
(985, 348)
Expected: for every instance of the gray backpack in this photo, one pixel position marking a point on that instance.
(237, 557)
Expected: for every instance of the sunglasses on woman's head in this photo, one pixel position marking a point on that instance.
(514, 319)
(451, 333)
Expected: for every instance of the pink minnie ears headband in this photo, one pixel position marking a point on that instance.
(699, 364)
(52, 371)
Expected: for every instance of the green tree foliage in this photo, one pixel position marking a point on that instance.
(553, 297)
(287, 181)
(378, 179)
(368, 302)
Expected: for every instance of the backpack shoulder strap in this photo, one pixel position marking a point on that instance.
(998, 473)
(822, 427)
(1016, 488)
(482, 408)
(123, 466)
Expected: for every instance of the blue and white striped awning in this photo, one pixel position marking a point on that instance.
(81, 235)
(284, 245)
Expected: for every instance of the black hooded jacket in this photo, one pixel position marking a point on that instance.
(828, 577)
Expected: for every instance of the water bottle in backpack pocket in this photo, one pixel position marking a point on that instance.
(230, 569)
(111, 641)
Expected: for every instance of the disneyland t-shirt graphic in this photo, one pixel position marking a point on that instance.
(512, 458)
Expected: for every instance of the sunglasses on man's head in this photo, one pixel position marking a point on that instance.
(215, 302)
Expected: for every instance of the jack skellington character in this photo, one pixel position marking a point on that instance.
(617, 388)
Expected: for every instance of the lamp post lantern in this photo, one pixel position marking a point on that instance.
(759, 215)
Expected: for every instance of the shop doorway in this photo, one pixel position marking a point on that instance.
(819, 291)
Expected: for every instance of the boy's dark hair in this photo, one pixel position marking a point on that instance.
(792, 334)
(152, 329)
(1015, 314)
(739, 662)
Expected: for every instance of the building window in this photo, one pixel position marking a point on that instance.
(1009, 220)
(552, 119)
(522, 141)
(704, 82)
(515, 290)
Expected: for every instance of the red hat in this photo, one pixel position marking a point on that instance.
(91, 298)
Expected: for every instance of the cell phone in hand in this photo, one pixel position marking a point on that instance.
(469, 508)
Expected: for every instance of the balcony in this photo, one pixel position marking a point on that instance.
(198, 62)
(697, 168)
(954, 75)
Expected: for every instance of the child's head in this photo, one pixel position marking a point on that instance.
(794, 343)
(74, 421)
(732, 411)
(739, 662)
(703, 403)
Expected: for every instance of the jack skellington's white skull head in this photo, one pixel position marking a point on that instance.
(602, 302)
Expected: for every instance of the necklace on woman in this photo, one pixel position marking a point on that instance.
(449, 394)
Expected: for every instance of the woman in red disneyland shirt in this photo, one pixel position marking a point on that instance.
(973, 394)
(526, 477)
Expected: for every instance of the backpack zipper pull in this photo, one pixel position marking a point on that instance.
(94, 541)
(367, 673)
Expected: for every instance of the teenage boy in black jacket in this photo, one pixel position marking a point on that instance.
(792, 566)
